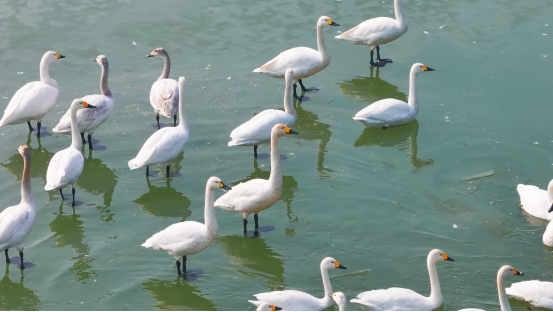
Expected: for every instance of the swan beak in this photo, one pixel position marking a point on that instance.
(447, 258)
(332, 23)
(59, 56)
(94, 60)
(289, 131)
(275, 308)
(339, 266)
(517, 272)
(428, 68)
(151, 54)
(224, 187)
(550, 209)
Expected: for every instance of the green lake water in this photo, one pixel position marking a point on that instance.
(376, 200)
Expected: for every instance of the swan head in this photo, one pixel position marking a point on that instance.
(215, 183)
(267, 307)
(420, 67)
(51, 56)
(24, 151)
(340, 300)
(101, 59)
(158, 52)
(331, 263)
(508, 270)
(437, 255)
(80, 104)
(281, 129)
(326, 21)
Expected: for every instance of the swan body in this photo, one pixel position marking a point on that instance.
(535, 201)
(258, 129)
(164, 145)
(190, 237)
(537, 293)
(340, 300)
(35, 99)
(294, 300)
(391, 112)
(164, 95)
(89, 120)
(257, 195)
(402, 299)
(66, 166)
(17, 221)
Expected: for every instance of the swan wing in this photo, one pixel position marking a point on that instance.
(162, 146)
(536, 292)
(395, 299)
(387, 110)
(302, 60)
(535, 201)
(87, 119)
(164, 97)
(258, 129)
(176, 237)
(243, 196)
(32, 101)
(291, 300)
(64, 168)
(11, 221)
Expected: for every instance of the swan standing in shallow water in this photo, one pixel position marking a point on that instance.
(305, 62)
(258, 129)
(377, 31)
(190, 237)
(535, 201)
(340, 300)
(396, 298)
(90, 120)
(257, 195)
(391, 112)
(294, 300)
(537, 293)
(164, 145)
(35, 99)
(66, 166)
(504, 271)
(164, 95)
(16, 221)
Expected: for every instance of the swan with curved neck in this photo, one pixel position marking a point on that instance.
(17, 221)
(535, 292)
(535, 201)
(391, 112)
(66, 166)
(190, 237)
(89, 120)
(405, 299)
(257, 195)
(164, 95)
(378, 31)
(305, 62)
(164, 145)
(35, 99)
(340, 300)
(294, 300)
(257, 130)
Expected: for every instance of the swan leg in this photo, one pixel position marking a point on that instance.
(30, 127)
(304, 89)
(299, 98)
(381, 60)
(82, 138)
(157, 119)
(38, 124)
(147, 171)
(22, 267)
(175, 120)
(7, 257)
(376, 64)
(255, 218)
(61, 193)
(73, 192)
(184, 265)
(245, 221)
(90, 141)
(167, 170)
(255, 151)
(178, 268)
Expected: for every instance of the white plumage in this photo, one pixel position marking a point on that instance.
(164, 95)
(537, 293)
(164, 145)
(340, 300)
(35, 99)
(403, 299)
(391, 112)
(535, 201)
(89, 120)
(294, 300)
(378, 31)
(258, 129)
(267, 307)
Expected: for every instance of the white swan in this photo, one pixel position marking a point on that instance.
(258, 129)
(190, 237)
(35, 99)
(66, 166)
(391, 112)
(166, 144)
(503, 272)
(537, 293)
(16, 221)
(305, 62)
(267, 307)
(90, 120)
(535, 201)
(377, 31)
(340, 300)
(294, 300)
(257, 195)
(164, 95)
(400, 299)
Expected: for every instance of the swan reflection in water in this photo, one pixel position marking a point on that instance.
(98, 179)
(164, 201)
(40, 156)
(371, 89)
(178, 295)
(68, 231)
(15, 296)
(309, 128)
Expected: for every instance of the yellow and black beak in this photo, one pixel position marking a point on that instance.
(332, 23)
(223, 186)
(427, 68)
(289, 131)
(339, 266)
(59, 56)
(517, 272)
(94, 60)
(550, 209)
(86, 105)
(446, 258)
(275, 308)
(151, 54)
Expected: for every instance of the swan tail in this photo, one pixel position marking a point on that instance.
(49, 187)
(256, 303)
(266, 66)
(344, 35)
(232, 143)
(133, 164)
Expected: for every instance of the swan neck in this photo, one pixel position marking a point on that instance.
(400, 15)
(413, 96)
(183, 116)
(503, 300)
(435, 290)
(328, 288)
(26, 191)
(276, 175)
(166, 67)
(321, 44)
(209, 212)
(44, 73)
(550, 191)
(288, 106)
(104, 86)
(76, 142)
